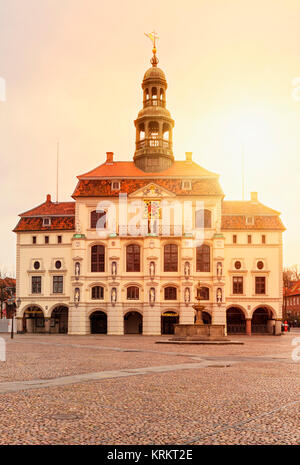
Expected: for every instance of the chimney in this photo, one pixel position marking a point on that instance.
(48, 198)
(254, 197)
(109, 157)
(188, 156)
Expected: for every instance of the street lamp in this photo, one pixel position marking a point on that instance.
(18, 303)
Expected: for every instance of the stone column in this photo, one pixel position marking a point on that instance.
(47, 325)
(19, 323)
(278, 322)
(248, 326)
(115, 320)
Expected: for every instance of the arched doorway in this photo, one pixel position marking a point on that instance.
(206, 317)
(33, 320)
(259, 322)
(59, 320)
(98, 322)
(133, 323)
(235, 320)
(168, 321)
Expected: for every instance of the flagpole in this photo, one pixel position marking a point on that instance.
(57, 158)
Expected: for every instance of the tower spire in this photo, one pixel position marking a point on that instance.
(154, 125)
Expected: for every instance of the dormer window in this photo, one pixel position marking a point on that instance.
(47, 222)
(115, 186)
(186, 185)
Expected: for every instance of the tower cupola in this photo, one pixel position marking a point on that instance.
(154, 125)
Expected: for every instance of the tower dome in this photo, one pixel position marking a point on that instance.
(154, 125)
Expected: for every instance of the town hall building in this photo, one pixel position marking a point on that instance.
(125, 256)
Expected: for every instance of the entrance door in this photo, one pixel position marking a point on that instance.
(168, 322)
(98, 323)
(133, 323)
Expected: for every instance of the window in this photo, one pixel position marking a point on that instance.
(58, 264)
(97, 292)
(115, 185)
(249, 220)
(203, 258)
(204, 293)
(95, 217)
(133, 293)
(36, 265)
(46, 222)
(260, 285)
(186, 185)
(171, 257)
(58, 284)
(133, 258)
(234, 238)
(170, 293)
(263, 239)
(46, 239)
(34, 239)
(237, 287)
(97, 258)
(249, 239)
(203, 219)
(36, 284)
(59, 239)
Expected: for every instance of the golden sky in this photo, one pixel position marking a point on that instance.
(73, 72)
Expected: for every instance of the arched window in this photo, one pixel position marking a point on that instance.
(166, 131)
(203, 219)
(98, 258)
(171, 257)
(133, 293)
(95, 216)
(142, 131)
(97, 292)
(204, 293)
(133, 257)
(147, 94)
(170, 293)
(154, 93)
(153, 133)
(161, 94)
(203, 258)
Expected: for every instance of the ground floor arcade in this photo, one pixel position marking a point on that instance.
(147, 321)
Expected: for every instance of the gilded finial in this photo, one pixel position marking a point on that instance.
(153, 37)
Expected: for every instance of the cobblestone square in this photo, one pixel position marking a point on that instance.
(128, 390)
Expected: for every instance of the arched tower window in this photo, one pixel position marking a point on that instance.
(141, 131)
(154, 95)
(203, 258)
(133, 258)
(98, 258)
(161, 94)
(171, 257)
(166, 131)
(154, 133)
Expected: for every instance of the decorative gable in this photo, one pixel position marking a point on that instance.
(151, 191)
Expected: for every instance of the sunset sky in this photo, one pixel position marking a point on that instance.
(73, 72)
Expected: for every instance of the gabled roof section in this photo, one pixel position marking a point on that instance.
(246, 207)
(127, 169)
(50, 208)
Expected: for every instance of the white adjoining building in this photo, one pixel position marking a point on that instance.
(88, 267)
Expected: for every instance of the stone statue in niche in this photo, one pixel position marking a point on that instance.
(114, 294)
(77, 269)
(187, 295)
(152, 269)
(219, 295)
(114, 268)
(77, 295)
(219, 269)
(187, 269)
(152, 295)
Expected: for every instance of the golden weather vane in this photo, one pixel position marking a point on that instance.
(153, 37)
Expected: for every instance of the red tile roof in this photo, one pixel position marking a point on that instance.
(102, 188)
(58, 223)
(124, 169)
(50, 208)
(246, 207)
(237, 222)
